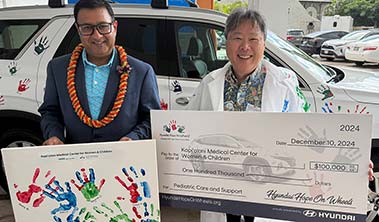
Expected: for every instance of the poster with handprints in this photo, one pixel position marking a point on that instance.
(97, 182)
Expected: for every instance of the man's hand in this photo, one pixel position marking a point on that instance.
(52, 141)
(125, 138)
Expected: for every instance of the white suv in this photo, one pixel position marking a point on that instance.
(180, 43)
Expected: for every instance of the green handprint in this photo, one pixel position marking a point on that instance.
(325, 90)
(12, 67)
(88, 188)
(41, 46)
(106, 212)
(306, 105)
(88, 216)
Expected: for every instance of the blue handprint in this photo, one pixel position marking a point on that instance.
(66, 199)
(133, 188)
(148, 216)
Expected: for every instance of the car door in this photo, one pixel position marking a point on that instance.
(20, 55)
(200, 50)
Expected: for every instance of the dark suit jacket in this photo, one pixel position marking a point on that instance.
(133, 120)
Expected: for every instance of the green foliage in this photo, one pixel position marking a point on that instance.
(364, 12)
(227, 8)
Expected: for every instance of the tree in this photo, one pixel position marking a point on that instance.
(228, 8)
(364, 12)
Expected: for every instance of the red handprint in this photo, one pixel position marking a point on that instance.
(317, 186)
(23, 85)
(173, 125)
(164, 105)
(25, 196)
(2, 100)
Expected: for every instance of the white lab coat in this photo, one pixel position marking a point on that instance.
(279, 86)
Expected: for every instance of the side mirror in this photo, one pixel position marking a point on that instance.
(162, 4)
(56, 3)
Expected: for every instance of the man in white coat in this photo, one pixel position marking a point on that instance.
(248, 83)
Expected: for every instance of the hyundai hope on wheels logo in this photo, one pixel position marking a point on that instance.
(310, 213)
(172, 126)
(174, 131)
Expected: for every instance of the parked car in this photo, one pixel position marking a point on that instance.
(335, 48)
(312, 42)
(170, 41)
(295, 36)
(366, 50)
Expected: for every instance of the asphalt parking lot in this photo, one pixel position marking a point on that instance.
(370, 67)
(6, 213)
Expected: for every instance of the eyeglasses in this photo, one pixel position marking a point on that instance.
(102, 28)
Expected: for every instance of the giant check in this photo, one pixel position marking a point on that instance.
(292, 166)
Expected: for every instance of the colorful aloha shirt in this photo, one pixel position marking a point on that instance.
(244, 96)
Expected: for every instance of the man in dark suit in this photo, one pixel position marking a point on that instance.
(97, 93)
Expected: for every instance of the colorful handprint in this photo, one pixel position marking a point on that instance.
(66, 199)
(172, 126)
(306, 106)
(23, 85)
(133, 187)
(33, 188)
(88, 188)
(12, 68)
(105, 211)
(317, 185)
(176, 86)
(164, 105)
(150, 214)
(325, 90)
(41, 46)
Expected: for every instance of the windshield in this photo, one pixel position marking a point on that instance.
(354, 35)
(370, 38)
(314, 34)
(296, 32)
(301, 58)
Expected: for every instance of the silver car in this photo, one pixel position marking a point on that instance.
(335, 48)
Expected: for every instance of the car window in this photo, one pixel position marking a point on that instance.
(371, 34)
(14, 34)
(329, 36)
(341, 34)
(139, 37)
(201, 48)
(299, 56)
(297, 33)
(354, 35)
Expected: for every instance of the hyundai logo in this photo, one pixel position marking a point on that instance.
(309, 213)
